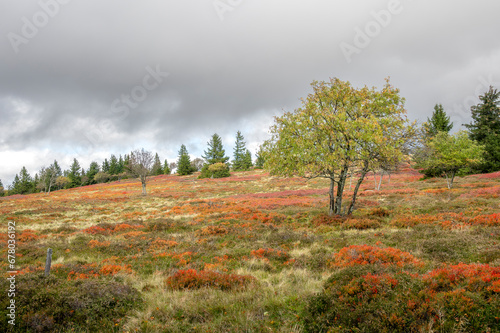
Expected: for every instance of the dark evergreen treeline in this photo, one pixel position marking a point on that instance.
(214, 164)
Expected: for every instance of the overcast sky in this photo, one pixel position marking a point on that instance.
(85, 79)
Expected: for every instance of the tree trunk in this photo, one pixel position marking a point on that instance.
(380, 181)
(340, 191)
(449, 180)
(143, 181)
(452, 178)
(358, 184)
(331, 197)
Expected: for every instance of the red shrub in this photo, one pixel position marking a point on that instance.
(365, 254)
(490, 220)
(113, 269)
(271, 254)
(96, 230)
(212, 230)
(325, 219)
(473, 277)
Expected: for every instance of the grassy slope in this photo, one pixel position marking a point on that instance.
(110, 231)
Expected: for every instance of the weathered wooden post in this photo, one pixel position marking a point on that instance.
(48, 262)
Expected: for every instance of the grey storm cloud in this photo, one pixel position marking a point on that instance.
(75, 76)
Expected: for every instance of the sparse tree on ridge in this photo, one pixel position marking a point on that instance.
(239, 163)
(157, 169)
(75, 175)
(114, 166)
(247, 160)
(23, 183)
(259, 162)
(140, 163)
(166, 168)
(57, 169)
(197, 164)
(47, 178)
(439, 122)
(215, 154)
(337, 130)
(105, 166)
(2, 191)
(93, 170)
(485, 128)
(450, 155)
(184, 162)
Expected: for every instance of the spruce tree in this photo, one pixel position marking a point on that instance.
(439, 122)
(2, 192)
(157, 169)
(247, 160)
(485, 128)
(166, 168)
(23, 184)
(121, 164)
(93, 170)
(239, 153)
(215, 152)
(105, 166)
(57, 169)
(14, 188)
(184, 162)
(75, 175)
(259, 162)
(213, 155)
(114, 167)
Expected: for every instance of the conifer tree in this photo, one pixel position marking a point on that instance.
(213, 155)
(114, 167)
(485, 128)
(23, 183)
(166, 168)
(184, 162)
(247, 160)
(259, 162)
(105, 166)
(93, 170)
(14, 187)
(239, 153)
(75, 175)
(2, 192)
(157, 169)
(439, 122)
(215, 152)
(57, 169)
(121, 164)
